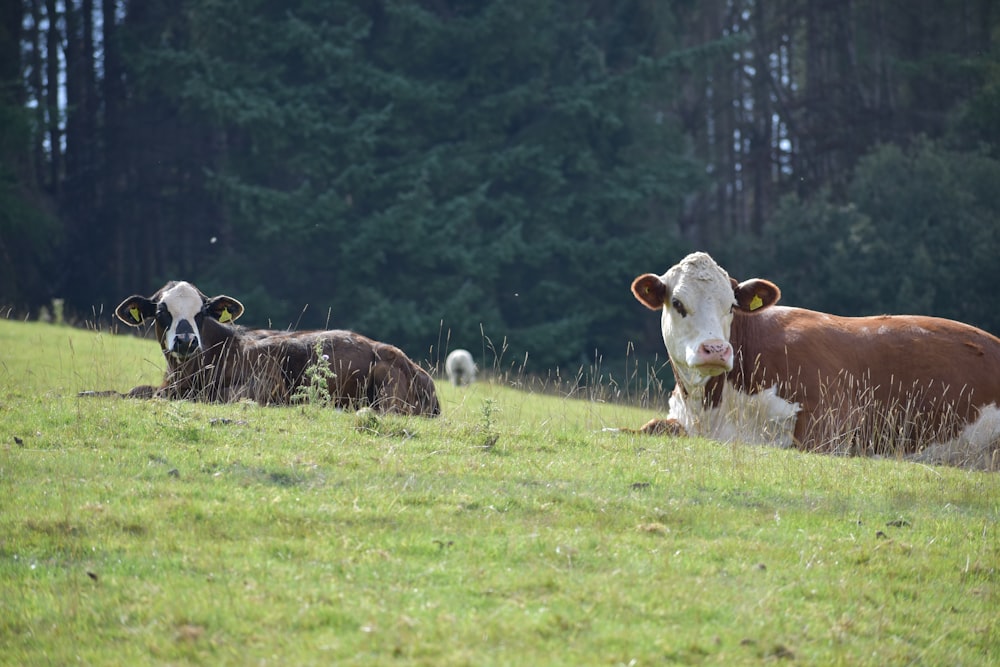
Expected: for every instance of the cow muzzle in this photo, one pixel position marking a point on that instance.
(186, 342)
(713, 357)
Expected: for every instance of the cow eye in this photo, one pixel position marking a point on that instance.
(163, 317)
(679, 307)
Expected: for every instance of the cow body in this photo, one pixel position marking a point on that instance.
(460, 368)
(748, 370)
(210, 359)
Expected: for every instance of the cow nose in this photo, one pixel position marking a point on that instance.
(185, 344)
(715, 353)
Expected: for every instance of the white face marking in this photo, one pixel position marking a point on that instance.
(183, 302)
(697, 318)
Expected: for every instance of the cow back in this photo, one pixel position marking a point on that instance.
(868, 383)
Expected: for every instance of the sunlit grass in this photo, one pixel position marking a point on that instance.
(511, 530)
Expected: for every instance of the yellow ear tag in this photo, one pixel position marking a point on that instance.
(756, 302)
(134, 312)
(225, 316)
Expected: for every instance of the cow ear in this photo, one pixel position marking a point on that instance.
(754, 294)
(650, 291)
(135, 309)
(223, 308)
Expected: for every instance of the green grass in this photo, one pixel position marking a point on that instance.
(510, 531)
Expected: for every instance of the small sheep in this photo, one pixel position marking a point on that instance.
(460, 368)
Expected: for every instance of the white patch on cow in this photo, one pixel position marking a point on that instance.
(460, 368)
(977, 446)
(763, 418)
(183, 302)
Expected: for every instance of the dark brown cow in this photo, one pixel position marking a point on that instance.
(750, 371)
(209, 358)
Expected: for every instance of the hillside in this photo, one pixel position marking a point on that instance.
(511, 530)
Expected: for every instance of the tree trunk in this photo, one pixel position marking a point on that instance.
(52, 88)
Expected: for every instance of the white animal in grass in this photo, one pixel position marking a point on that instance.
(460, 368)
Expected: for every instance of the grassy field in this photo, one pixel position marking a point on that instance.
(510, 531)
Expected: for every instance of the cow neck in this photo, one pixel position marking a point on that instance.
(214, 332)
(216, 340)
(709, 394)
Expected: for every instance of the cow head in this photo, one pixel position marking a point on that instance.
(179, 310)
(698, 298)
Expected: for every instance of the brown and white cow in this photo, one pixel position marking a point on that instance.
(748, 370)
(209, 358)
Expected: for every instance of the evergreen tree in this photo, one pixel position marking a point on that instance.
(405, 169)
(917, 238)
(429, 171)
(28, 229)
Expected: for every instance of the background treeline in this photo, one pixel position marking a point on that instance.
(432, 171)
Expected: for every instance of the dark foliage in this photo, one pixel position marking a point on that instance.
(492, 175)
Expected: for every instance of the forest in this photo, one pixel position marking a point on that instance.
(492, 174)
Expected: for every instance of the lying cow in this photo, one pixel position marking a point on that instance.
(751, 371)
(208, 358)
(460, 368)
